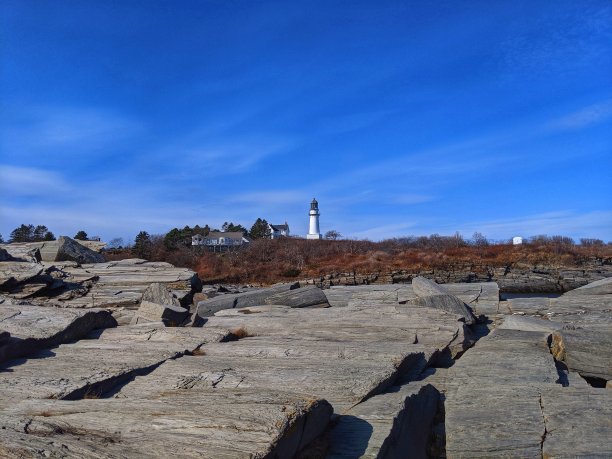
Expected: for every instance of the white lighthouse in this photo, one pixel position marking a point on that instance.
(313, 230)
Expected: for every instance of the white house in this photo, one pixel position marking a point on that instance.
(517, 240)
(277, 231)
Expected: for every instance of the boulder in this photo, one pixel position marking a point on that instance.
(308, 296)
(67, 249)
(169, 314)
(422, 286)
(448, 303)
(158, 293)
(256, 297)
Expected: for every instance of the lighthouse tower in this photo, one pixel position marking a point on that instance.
(313, 231)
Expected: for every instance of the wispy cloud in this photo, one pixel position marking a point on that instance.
(585, 117)
(30, 181)
(66, 131)
(383, 231)
(563, 222)
(269, 198)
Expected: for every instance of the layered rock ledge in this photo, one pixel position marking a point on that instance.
(135, 359)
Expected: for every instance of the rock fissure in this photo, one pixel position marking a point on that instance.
(544, 425)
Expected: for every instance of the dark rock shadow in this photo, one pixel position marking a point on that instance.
(349, 436)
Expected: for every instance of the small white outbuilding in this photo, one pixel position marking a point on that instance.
(517, 240)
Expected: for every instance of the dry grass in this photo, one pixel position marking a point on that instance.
(268, 261)
(240, 332)
(199, 351)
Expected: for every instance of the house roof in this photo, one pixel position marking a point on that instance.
(283, 227)
(230, 234)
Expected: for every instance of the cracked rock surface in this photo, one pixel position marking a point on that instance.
(380, 371)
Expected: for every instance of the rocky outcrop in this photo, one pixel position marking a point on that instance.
(118, 285)
(380, 371)
(512, 278)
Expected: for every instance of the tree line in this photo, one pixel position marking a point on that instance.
(38, 233)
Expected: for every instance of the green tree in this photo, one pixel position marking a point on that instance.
(230, 227)
(173, 239)
(142, 245)
(1, 239)
(39, 233)
(49, 236)
(260, 229)
(81, 236)
(25, 233)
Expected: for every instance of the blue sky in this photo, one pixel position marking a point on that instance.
(401, 117)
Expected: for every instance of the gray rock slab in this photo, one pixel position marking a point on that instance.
(324, 353)
(494, 421)
(68, 249)
(121, 284)
(528, 323)
(257, 297)
(169, 314)
(447, 303)
(599, 287)
(397, 423)
(587, 352)
(507, 357)
(422, 286)
(33, 328)
(493, 396)
(176, 424)
(159, 293)
(16, 272)
(578, 423)
(98, 363)
(483, 297)
(304, 297)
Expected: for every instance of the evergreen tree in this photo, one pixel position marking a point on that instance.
(49, 236)
(173, 239)
(81, 236)
(230, 227)
(1, 240)
(260, 229)
(142, 245)
(25, 233)
(39, 233)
